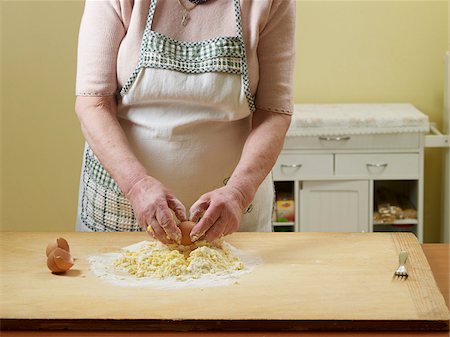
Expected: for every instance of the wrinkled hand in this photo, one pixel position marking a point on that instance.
(152, 203)
(220, 212)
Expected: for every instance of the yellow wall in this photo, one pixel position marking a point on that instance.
(41, 139)
(348, 51)
(377, 51)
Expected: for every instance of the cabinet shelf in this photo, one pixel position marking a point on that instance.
(289, 223)
(412, 228)
(398, 222)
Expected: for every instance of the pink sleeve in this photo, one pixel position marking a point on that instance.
(276, 57)
(101, 33)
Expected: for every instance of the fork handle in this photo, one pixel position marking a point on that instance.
(402, 257)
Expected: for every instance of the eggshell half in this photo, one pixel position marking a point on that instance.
(59, 261)
(58, 243)
(186, 227)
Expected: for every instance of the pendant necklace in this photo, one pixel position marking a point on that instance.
(186, 16)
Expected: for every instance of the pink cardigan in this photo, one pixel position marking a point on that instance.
(111, 33)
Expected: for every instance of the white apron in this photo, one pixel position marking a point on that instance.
(186, 111)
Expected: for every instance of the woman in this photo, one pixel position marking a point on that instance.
(183, 103)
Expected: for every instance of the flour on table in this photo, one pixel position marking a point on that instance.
(155, 264)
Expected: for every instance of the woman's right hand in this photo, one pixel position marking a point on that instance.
(152, 203)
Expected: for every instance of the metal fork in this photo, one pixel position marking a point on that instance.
(401, 270)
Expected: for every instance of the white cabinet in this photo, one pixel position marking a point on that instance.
(339, 160)
(334, 206)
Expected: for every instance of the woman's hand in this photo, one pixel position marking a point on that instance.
(152, 203)
(219, 211)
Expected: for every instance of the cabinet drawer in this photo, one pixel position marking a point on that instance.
(386, 166)
(366, 142)
(299, 166)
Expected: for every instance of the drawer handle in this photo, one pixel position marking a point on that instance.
(291, 165)
(377, 165)
(338, 138)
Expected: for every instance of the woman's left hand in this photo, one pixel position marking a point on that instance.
(219, 211)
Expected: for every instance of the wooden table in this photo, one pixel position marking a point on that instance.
(437, 255)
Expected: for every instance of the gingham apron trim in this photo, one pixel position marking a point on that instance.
(221, 54)
(219, 64)
(195, 50)
(97, 172)
(104, 208)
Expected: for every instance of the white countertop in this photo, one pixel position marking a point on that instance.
(355, 118)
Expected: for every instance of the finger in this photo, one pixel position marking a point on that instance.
(151, 232)
(158, 232)
(142, 223)
(141, 218)
(217, 230)
(167, 223)
(228, 230)
(178, 208)
(209, 218)
(198, 209)
(231, 228)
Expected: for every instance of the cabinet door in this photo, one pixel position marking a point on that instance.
(334, 206)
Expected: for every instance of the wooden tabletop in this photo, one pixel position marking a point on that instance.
(438, 258)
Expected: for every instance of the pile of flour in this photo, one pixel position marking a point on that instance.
(151, 263)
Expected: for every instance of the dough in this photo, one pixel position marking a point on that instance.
(155, 259)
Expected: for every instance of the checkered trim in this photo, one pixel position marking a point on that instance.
(250, 98)
(103, 206)
(223, 46)
(221, 54)
(95, 170)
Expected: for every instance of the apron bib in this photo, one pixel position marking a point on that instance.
(186, 111)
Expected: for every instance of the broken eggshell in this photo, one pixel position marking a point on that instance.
(59, 260)
(58, 243)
